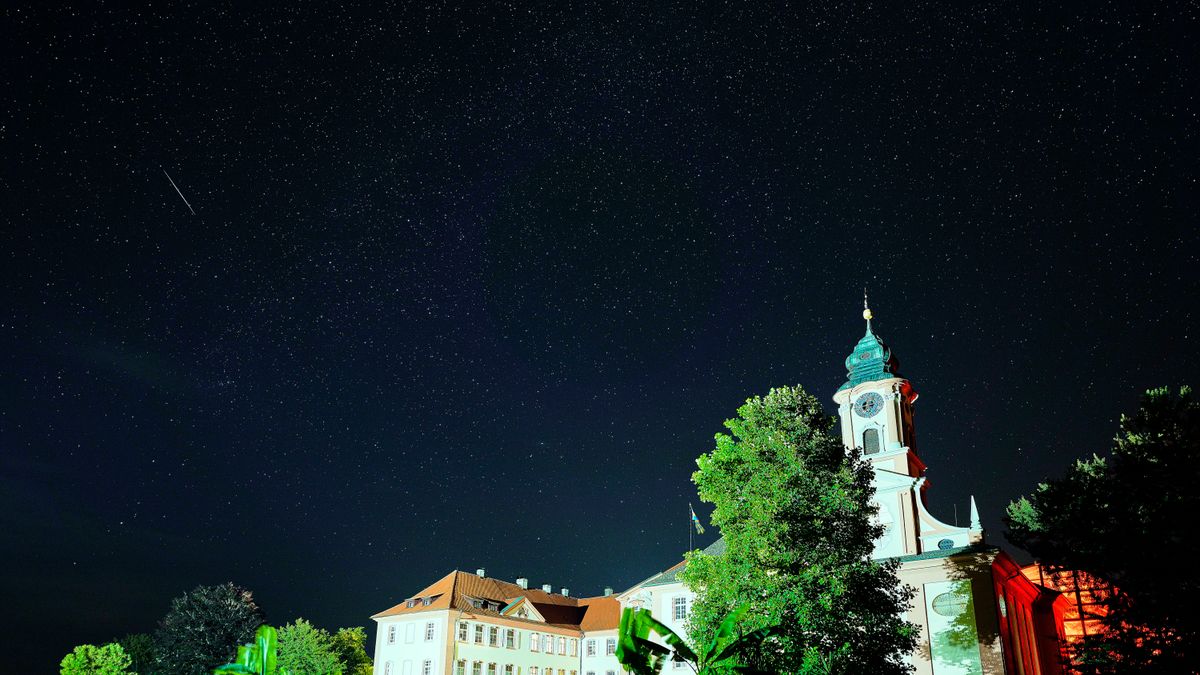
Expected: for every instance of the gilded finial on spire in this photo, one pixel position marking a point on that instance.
(866, 309)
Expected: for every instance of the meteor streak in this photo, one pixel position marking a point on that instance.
(185, 201)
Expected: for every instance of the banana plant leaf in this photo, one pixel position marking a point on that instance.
(643, 656)
(257, 657)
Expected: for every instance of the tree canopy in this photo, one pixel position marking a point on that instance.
(1127, 519)
(204, 628)
(304, 648)
(350, 645)
(795, 511)
(109, 659)
(140, 648)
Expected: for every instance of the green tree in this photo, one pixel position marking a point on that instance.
(304, 648)
(1127, 519)
(204, 628)
(794, 508)
(350, 645)
(109, 659)
(140, 648)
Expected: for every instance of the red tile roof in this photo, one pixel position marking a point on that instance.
(458, 588)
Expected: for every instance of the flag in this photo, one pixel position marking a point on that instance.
(695, 520)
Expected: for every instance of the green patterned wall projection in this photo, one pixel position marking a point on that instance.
(953, 637)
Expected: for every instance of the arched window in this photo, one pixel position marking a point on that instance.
(871, 442)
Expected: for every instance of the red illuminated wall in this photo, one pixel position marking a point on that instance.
(1031, 621)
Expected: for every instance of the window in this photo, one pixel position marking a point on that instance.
(427, 601)
(562, 647)
(610, 672)
(429, 628)
(589, 648)
(387, 668)
(510, 639)
(491, 669)
(679, 608)
(462, 631)
(411, 603)
(392, 634)
(494, 607)
(460, 668)
(533, 670)
(534, 643)
(493, 637)
(871, 442)
(574, 647)
(477, 668)
(610, 648)
(478, 633)
(427, 667)
(508, 670)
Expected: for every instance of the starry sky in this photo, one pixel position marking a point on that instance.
(473, 287)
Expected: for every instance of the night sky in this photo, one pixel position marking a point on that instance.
(474, 288)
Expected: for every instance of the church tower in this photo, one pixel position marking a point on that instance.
(875, 406)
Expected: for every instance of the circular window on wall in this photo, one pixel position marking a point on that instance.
(950, 604)
(946, 544)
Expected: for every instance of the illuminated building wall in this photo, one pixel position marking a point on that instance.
(1083, 595)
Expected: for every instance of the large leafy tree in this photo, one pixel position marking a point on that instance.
(304, 648)
(350, 645)
(794, 508)
(1127, 519)
(204, 628)
(109, 659)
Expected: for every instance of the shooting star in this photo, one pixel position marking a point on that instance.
(185, 201)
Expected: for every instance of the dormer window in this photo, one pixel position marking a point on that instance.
(411, 603)
(427, 601)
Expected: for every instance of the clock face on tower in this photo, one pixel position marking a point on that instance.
(869, 404)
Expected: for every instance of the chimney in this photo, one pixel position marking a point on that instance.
(566, 592)
(546, 588)
(523, 583)
(481, 572)
(607, 591)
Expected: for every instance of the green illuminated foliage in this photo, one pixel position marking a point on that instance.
(109, 659)
(304, 648)
(350, 646)
(257, 658)
(796, 516)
